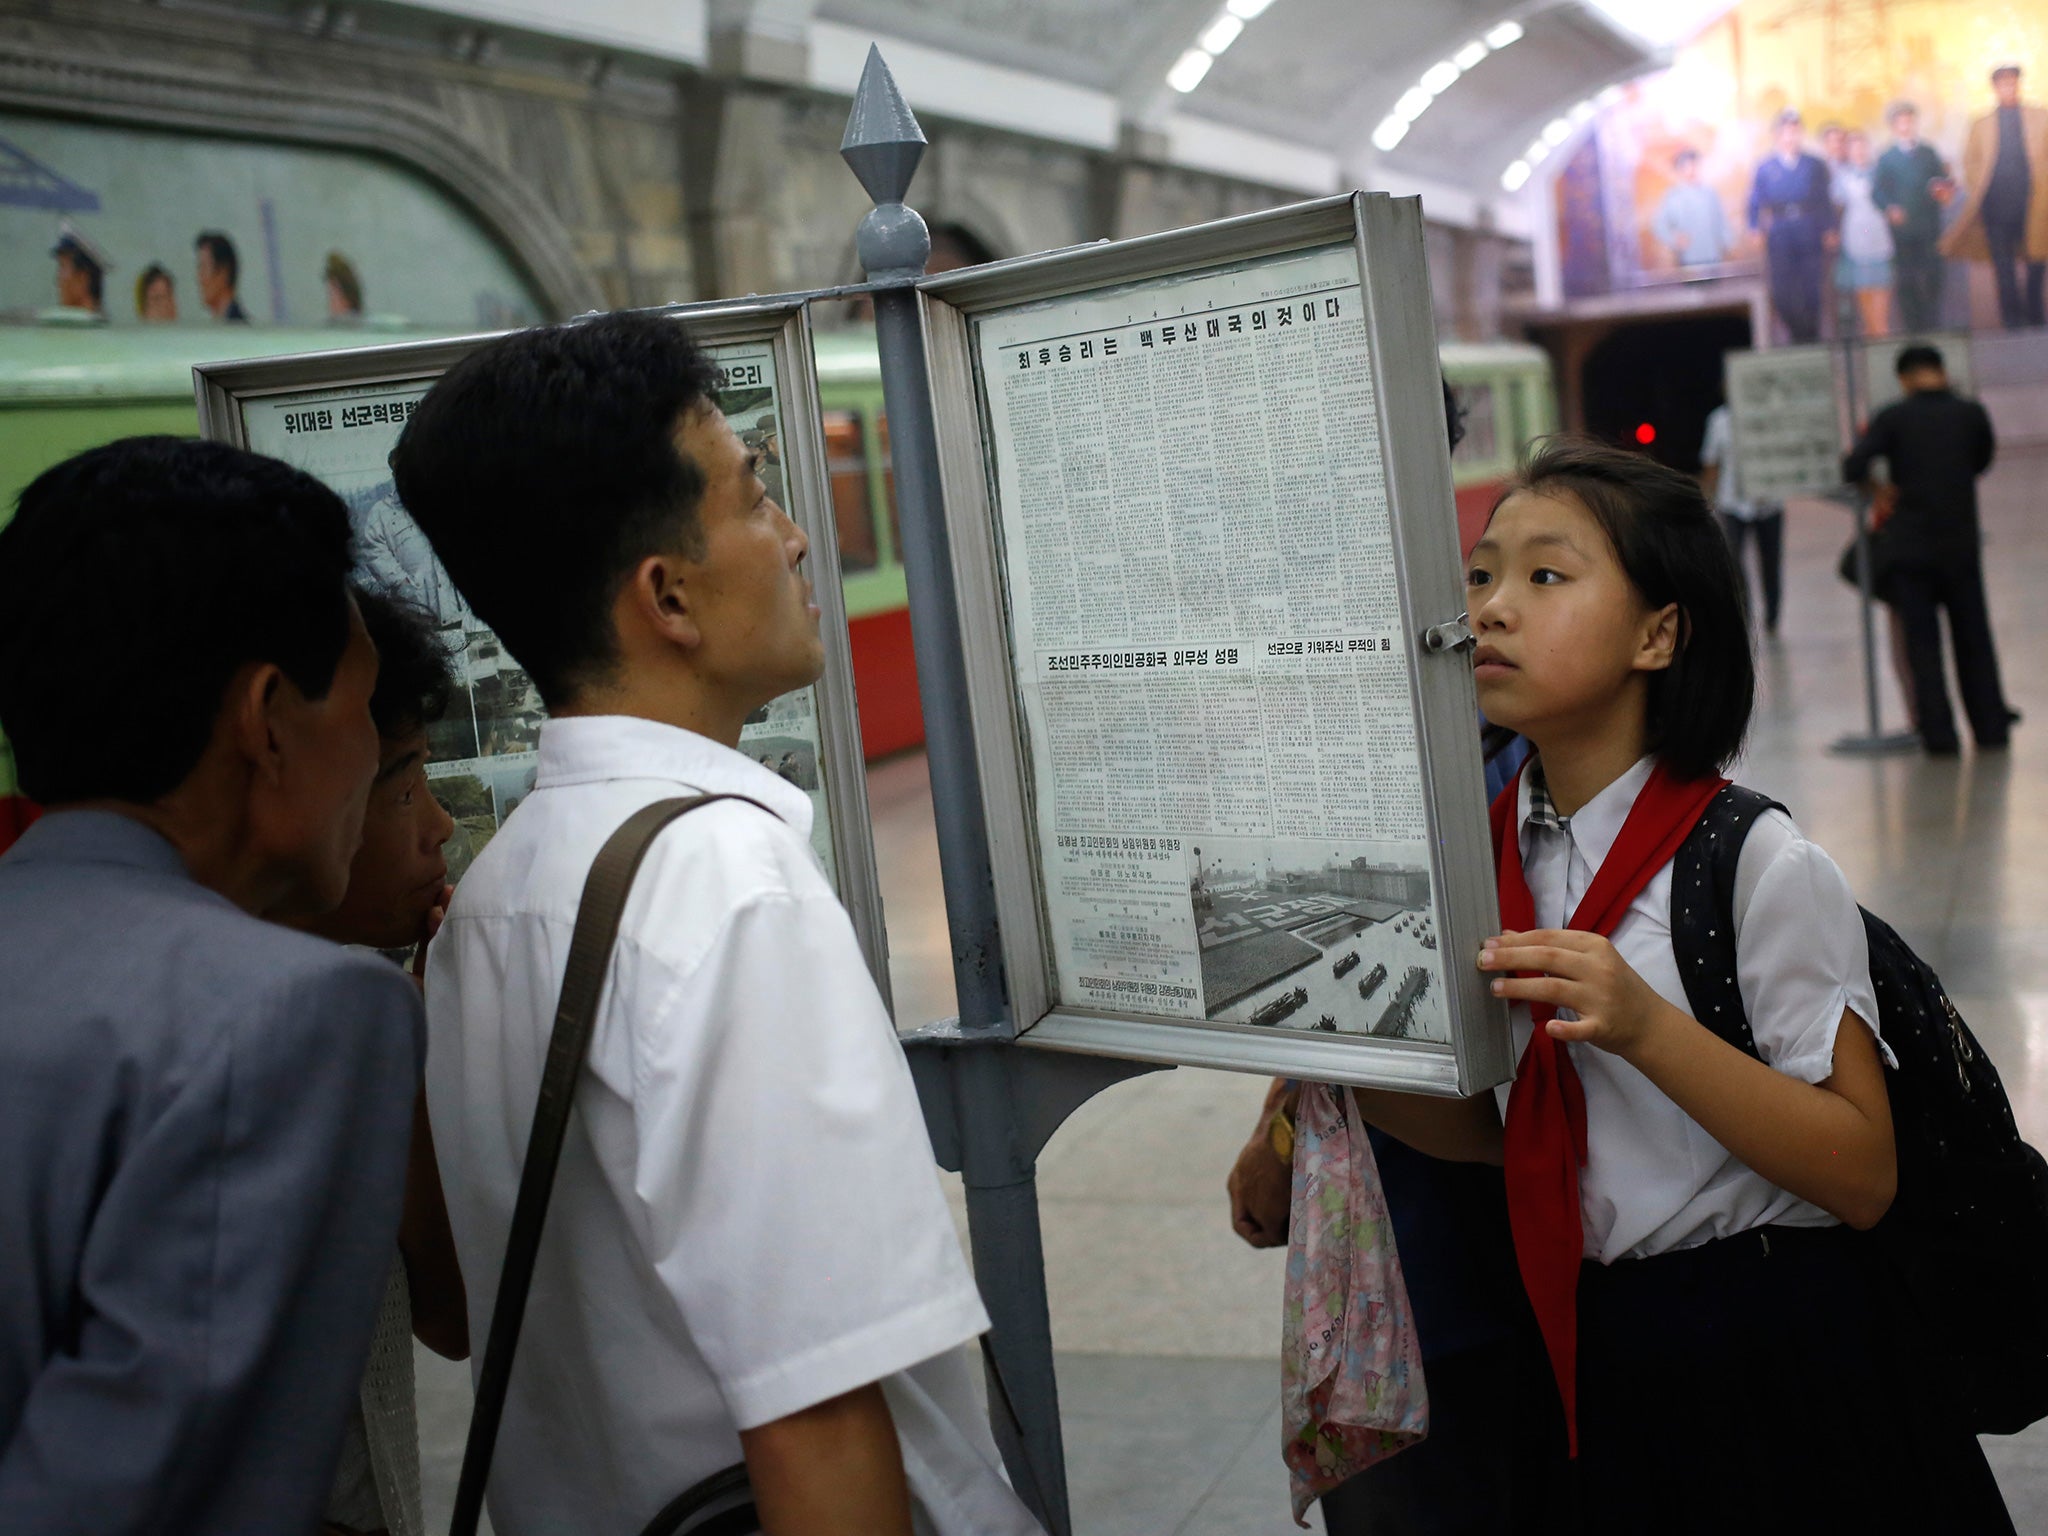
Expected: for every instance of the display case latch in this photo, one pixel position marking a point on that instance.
(1455, 636)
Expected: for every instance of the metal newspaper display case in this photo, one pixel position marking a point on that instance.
(1199, 571)
(337, 414)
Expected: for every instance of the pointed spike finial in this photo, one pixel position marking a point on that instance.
(883, 143)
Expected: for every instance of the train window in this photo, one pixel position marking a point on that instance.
(1482, 427)
(853, 512)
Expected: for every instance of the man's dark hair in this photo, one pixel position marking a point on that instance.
(2003, 71)
(1920, 355)
(544, 467)
(1685, 157)
(1454, 414)
(222, 250)
(1673, 550)
(95, 278)
(414, 679)
(135, 581)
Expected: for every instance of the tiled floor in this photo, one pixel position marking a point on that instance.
(1168, 1326)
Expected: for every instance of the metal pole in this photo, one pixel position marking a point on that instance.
(1874, 742)
(971, 1068)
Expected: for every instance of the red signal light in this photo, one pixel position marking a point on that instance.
(1646, 434)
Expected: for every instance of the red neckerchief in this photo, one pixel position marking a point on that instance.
(1545, 1133)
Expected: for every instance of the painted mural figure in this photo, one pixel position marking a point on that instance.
(156, 295)
(219, 271)
(1690, 220)
(2005, 218)
(1863, 269)
(1910, 188)
(1790, 203)
(81, 270)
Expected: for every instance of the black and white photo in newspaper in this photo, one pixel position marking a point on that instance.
(1200, 578)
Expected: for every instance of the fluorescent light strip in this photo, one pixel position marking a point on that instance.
(1223, 31)
(1391, 131)
(1439, 77)
(1470, 54)
(1188, 70)
(1507, 32)
(1514, 176)
(1248, 10)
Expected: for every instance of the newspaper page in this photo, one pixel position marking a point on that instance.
(1205, 631)
(484, 754)
(1788, 429)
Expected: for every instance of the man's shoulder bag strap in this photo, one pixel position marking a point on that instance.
(590, 951)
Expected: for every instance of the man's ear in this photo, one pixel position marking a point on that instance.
(657, 600)
(254, 704)
(1662, 633)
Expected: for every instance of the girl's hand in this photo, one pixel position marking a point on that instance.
(1617, 1010)
(435, 914)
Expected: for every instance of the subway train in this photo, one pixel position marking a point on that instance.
(65, 388)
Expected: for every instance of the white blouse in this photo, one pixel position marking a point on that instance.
(1654, 1181)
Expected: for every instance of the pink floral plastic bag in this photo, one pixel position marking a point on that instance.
(1351, 1389)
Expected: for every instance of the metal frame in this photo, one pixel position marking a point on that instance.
(783, 325)
(1386, 234)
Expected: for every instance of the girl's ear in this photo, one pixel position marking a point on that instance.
(1662, 633)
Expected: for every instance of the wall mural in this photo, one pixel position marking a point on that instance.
(140, 226)
(1857, 154)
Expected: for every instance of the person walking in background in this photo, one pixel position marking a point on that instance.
(1910, 188)
(203, 1116)
(1937, 444)
(2005, 215)
(219, 272)
(156, 296)
(1789, 203)
(1742, 518)
(1690, 220)
(1863, 269)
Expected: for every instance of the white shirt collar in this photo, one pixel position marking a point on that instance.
(1594, 827)
(594, 749)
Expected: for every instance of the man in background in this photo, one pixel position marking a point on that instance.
(1690, 219)
(82, 269)
(1937, 444)
(203, 1117)
(1910, 188)
(219, 272)
(1790, 202)
(2005, 217)
(1742, 518)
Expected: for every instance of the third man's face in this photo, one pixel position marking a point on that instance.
(748, 593)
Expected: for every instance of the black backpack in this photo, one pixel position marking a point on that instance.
(1967, 1235)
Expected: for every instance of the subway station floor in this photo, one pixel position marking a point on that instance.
(1168, 1327)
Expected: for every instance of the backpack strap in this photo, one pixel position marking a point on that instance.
(1705, 908)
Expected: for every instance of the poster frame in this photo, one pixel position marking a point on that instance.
(1386, 234)
(784, 325)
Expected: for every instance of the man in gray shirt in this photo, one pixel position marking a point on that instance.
(203, 1117)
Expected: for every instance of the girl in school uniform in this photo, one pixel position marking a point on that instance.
(1683, 1211)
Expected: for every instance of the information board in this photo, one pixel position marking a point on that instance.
(1210, 617)
(1787, 419)
(338, 416)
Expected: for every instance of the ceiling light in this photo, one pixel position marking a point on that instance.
(1391, 131)
(1512, 178)
(1222, 33)
(1188, 70)
(1470, 54)
(1439, 77)
(1248, 10)
(1413, 103)
(1537, 152)
(1500, 36)
(1661, 23)
(1582, 111)
(1555, 132)
(1608, 97)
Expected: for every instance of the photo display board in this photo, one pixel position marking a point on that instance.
(1787, 420)
(1237, 803)
(338, 415)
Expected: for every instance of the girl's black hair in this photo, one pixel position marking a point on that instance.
(1672, 549)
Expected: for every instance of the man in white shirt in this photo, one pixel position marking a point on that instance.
(1742, 517)
(747, 1254)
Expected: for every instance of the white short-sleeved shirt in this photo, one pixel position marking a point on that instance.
(1717, 447)
(1654, 1181)
(747, 1220)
